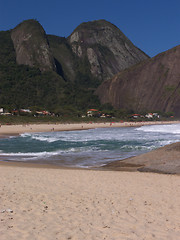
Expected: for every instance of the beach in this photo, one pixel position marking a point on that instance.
(45, 202)
(9, 130)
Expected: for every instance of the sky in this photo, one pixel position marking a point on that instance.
(152, 25)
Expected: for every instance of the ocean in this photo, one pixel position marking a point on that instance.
(87, 148)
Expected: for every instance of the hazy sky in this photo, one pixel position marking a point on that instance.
(152, 25)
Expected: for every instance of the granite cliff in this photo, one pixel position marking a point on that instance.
(152, 85)
(31, 46)
(106, 48)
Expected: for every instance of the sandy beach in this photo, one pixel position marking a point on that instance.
(8, 130)
(43, 202)
(46, 203)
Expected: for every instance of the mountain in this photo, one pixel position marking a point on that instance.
(47, 71)
(31, 46)
(105, 47)
(95, 51)
(151, 85)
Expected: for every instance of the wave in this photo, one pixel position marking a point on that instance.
(78, 136)
(172, 128)
(52, 153)
(44, 138)
(40, 137)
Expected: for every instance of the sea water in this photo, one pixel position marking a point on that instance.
(87, 148)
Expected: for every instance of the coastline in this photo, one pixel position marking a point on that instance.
(164, 160)
(12, 130)
(41, 201)
(137, 163)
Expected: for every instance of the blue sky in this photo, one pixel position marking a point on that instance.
(152, 25)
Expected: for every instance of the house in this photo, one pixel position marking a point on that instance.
(149, 115)
(25, 110)
(136, 115)
(152, 115)
(156, 115)
(6, 113)
(15, 112)
(103, 115)
(92, 113)
(43, 113)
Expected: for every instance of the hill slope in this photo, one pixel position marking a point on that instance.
(153, 85)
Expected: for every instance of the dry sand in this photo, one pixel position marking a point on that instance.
(84, 204)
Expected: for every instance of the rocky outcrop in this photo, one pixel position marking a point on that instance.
(31, 46)
(152, 85)
(162, 160)
(107, 49)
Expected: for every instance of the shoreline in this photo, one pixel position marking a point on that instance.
(131, 164)
(14, 130)
(115, 202)
(163, 160)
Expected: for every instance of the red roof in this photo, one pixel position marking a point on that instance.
(93, 110)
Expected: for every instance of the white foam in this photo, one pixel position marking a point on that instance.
(44, 138)
(80, 136)
(172, 128)
(53, 153)
(25, 134)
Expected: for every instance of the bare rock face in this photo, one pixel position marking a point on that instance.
(108, 50)
(31, 46)
(152, 85)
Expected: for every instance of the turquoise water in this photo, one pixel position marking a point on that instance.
(87, 148)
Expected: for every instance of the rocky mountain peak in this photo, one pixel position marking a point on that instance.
(108, 50)
(31, 45)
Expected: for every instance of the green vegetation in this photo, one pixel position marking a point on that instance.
(7, 52)
(67, 92)
(170, 88)
(27, 87)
